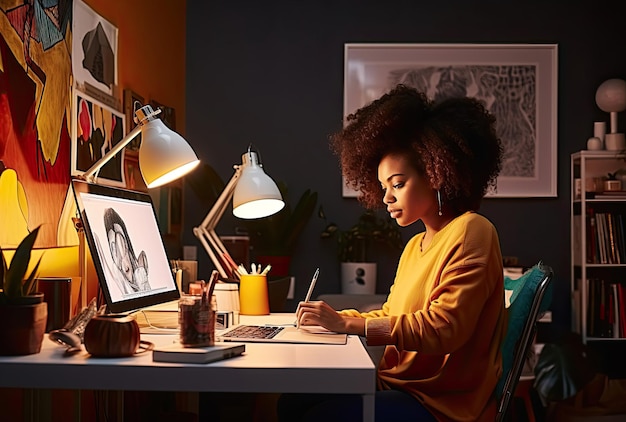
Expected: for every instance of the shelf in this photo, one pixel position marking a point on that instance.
(598, 234)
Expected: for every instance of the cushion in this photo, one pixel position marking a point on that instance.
(522, 291)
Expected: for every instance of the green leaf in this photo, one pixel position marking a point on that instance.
(19, 264)
(29, 286)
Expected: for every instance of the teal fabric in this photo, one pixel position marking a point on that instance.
(523, 289)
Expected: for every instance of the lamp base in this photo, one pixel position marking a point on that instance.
(614, 141)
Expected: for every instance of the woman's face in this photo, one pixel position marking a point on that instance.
(406, 193)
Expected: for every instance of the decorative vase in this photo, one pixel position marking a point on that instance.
(22, 328)
(594, 144)
(358, 278)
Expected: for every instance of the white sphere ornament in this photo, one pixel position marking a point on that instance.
(611, 95)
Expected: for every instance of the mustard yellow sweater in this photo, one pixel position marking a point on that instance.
(444, 321)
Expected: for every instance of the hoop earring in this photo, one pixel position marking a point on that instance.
(439, 202)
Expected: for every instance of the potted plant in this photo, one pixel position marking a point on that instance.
(358, 273)
(23, 313)
(274, 238)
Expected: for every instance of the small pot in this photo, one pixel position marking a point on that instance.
(612, 185)
(112, 335)
(22, 328)
(358, 278)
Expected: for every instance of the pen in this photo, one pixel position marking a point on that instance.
(309, 292)
(312, 285)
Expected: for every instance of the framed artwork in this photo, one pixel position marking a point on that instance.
(94, 51)
(167, 114)
(96, 128)
(132, 102)
(132, 172)
(516, 82)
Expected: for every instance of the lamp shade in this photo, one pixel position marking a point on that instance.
(256, 195)
(164, 155)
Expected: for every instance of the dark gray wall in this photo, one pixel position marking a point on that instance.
(271, 73)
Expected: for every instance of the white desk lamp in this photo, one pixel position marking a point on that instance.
(164, 156)
(255, 195)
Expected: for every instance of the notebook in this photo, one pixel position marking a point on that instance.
(177, 353)
(248, 333)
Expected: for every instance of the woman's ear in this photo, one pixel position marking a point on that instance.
(113, 248)
(142, 260)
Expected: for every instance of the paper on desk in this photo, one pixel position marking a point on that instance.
(316, 329)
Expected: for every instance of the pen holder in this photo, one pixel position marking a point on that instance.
(253, 295)
(196, 317)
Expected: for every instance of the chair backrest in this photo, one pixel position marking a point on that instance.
(531, 295)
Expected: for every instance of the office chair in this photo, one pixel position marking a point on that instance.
(531, 296)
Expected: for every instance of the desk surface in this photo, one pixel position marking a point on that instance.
(262, 368)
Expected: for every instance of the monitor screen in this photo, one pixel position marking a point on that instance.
(123, 235)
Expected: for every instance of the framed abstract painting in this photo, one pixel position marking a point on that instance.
(516, 82)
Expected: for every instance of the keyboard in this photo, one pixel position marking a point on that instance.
(253, 331)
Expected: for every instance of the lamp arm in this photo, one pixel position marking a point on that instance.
(220, 205)
(206, 231)
(89, 174)
(202, 234)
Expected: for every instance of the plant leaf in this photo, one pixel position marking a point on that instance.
(29, 286)
(19, 264)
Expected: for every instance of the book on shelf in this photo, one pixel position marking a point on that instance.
(606, 243)
(606, 317)
(621, 308)
(177, 353)
(614, 311)
(615, 194)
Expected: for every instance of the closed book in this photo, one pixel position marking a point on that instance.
(179, 354)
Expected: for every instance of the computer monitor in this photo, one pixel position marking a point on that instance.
(123, 235)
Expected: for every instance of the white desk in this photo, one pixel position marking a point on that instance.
(264, 368)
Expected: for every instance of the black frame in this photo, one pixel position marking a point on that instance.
(137, 302)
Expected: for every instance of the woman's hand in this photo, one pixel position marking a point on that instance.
(320, 313)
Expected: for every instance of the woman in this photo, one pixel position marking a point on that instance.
(444, 321)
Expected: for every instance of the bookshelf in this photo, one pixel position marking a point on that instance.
(598, 247)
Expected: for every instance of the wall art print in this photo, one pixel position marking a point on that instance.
(96, 128)
(516, 82)
(94, 51)
(35, 100)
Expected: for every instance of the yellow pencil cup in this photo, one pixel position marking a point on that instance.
(253, 296)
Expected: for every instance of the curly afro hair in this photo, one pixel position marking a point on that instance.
(452, 144)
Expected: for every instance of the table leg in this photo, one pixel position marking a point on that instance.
(368, 407)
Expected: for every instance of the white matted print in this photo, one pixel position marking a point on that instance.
(96, 128)
(516, 82)
(94, 50)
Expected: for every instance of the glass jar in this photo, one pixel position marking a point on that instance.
(196, 318)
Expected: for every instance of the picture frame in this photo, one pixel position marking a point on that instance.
(516, 82)
(94, 54)
(96, 128)
(167, 114)
(130, 99)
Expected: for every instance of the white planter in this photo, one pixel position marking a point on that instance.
(358, 278)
